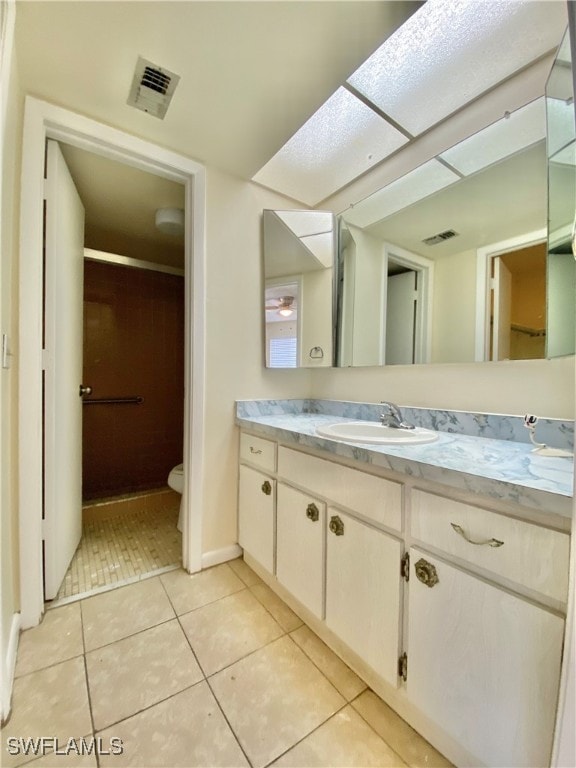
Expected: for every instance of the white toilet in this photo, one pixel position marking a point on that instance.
(176, 482)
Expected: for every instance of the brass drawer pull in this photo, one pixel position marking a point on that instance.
(490, 542)
(255, 451)
(336, 526)
(312, 513)
(426, 573)
(266, 487)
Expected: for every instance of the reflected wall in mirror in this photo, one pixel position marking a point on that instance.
(299, 290)
(410, 286)
(561, 312)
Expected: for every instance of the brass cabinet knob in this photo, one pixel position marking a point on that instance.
(336, 526)
(426, 573)
(266, 487)
(312, 513)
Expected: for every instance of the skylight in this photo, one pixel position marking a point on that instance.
(445, 55)
(341, 140)
(448, 53)
(423, 181)
(503, 138)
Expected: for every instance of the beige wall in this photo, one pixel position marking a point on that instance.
(454, 309)
(543, 387)
(234, 340)
(316, 317)
(368, 297)
(8, 382)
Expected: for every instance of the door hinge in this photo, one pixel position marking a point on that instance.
(405, 566)
(403, 667)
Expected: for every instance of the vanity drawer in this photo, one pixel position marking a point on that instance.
(530, 555)
(372, 497)
(257, 451)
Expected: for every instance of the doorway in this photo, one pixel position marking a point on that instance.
(44, 121)
(116, 324)
(511, 322)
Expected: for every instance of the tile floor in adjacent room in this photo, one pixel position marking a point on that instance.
(206, 670)
(122, 539)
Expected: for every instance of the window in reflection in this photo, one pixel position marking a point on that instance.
(282, 327)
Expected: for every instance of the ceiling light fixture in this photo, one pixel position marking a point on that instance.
(170, 221)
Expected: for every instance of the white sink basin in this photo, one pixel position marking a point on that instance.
(375, 433)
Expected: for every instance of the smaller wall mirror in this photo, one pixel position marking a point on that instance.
(299, 290)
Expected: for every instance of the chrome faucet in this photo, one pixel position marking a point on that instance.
(392, 417)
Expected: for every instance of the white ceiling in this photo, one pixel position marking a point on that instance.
(120, 205)
(250, 74)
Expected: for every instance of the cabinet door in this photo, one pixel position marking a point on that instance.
(256, 516)
(363, 591)
(300, 551)
(483, 664)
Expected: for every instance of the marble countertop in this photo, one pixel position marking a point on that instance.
(502, 469)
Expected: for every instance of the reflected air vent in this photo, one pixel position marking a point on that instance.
(440, 237)
(152, 88)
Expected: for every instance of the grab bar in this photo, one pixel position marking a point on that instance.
(114, 401)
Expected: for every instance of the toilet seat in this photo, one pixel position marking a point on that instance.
(176, 478)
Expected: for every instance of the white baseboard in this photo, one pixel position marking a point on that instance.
(217, 556)
(9, 665)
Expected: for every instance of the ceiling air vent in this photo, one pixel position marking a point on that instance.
(152, 88)
(440, 237)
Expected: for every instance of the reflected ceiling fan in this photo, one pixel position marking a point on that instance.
(284, 307)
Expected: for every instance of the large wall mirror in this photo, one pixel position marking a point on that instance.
(469, 258)
(448, 263)
(299, 288)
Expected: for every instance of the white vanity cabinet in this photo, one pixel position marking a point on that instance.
(453, 612)
(363, 587)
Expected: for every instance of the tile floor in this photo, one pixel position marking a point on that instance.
(205, 670)
(123, 539)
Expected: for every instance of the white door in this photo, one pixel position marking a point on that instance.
(502, 318)
(256, 503)
(363, 591)
(401, 319)
(300, 546)
(483, 664)
(64, 272)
